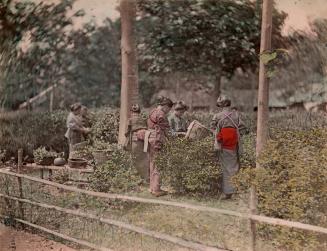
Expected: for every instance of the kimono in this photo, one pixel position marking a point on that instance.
(227, 125)
(158, 127)
(177, 124)
(74, 133)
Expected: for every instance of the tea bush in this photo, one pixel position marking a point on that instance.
(291, 184)
(189, 166)
(105, 125)
(29, 130)
(117, 174)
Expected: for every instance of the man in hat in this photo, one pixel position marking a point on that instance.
(158, 128)
(178, 124)
(227, 125)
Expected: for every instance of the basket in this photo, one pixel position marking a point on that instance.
(197, 131)
(77, 163)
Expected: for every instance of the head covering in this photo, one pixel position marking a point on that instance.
(180, 105)
(165, 101)
(223, 101)
(136, 108)
(75, 107)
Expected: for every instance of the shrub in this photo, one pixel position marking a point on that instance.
(248, 156)
(29, 130)
(105, 125)
(291, 184)
(189, 166)
(117, 174)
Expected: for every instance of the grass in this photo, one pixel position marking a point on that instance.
(209, 228)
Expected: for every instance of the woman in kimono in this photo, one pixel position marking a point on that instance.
(178, 124)
(158, 128)
(75, 128)
(227, 125)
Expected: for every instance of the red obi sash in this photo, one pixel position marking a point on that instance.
(228, 138)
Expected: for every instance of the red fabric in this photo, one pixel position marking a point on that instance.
(228, 138)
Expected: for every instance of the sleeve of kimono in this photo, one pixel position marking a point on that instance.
(73, 125)
(172, 124)
(241, 124)
(214, 122)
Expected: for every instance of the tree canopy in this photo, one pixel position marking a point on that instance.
(201, 35)
(42, 48)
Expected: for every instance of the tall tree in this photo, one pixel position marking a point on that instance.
(207, 36)
(129, 84)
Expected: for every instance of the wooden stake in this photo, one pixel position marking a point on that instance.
(263, 103)
(51, 100)
(20, 186)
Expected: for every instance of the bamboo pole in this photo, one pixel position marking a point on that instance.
(263, 104)
(59, 168)
(259, 218)
(123, 225)
(62, 236)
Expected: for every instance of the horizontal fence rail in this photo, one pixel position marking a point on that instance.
(258, 218)
(164, 237)
(62, 236)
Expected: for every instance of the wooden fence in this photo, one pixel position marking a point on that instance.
(132, 228)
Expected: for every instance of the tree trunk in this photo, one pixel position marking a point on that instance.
(263, 100)
(216, 91)
(129, 84)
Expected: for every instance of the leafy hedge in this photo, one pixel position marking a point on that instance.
(30, 130)
(117, 174)
(291, 184)
(189, 166)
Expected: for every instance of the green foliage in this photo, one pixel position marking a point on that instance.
(44, 25)
(96, 48)
(117, 174)
(105, 125)
(189, 166)
(101, 146)
(291, 184)
(247, 158)
(57, 54)
(170, 30)
(29, 130)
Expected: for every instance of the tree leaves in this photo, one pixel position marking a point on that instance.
(204, 36)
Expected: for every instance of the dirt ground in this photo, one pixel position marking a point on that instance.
(11, 240)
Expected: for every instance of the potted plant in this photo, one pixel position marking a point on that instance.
(44, 157)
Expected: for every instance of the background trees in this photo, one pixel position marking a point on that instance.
(40, 48)
(210, 37)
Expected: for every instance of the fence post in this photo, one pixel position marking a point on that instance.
(20, 187)
(51, 100)
(42, 173)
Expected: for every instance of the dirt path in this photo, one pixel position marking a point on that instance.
(12, 240)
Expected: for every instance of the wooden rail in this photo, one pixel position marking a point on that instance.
(258, 218)
(164, 237)
(62, 236)
(37, 97)
(59, 168)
